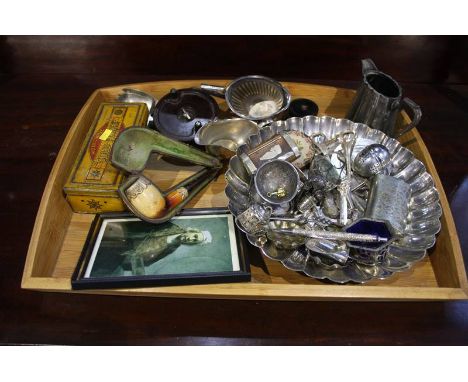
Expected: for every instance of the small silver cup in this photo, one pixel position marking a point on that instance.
(277, 182)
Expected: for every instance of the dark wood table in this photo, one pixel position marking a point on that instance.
(36, 110)
(35, 114)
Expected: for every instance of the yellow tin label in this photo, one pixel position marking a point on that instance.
(105, 134)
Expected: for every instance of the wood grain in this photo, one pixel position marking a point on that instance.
(442, 278)
(419, 59)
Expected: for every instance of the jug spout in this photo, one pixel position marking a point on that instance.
(368, 66)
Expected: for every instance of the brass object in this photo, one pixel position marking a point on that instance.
(280, 193)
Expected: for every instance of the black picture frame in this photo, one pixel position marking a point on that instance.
(79, 282)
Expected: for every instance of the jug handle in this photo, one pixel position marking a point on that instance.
(368, 66)
(415, 109)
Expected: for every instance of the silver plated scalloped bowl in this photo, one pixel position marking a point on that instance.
(423, 220)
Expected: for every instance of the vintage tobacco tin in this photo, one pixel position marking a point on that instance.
(93, 183)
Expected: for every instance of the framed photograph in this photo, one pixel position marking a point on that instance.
(199, 246)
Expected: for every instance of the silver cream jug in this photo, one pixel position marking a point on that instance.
(379, 100)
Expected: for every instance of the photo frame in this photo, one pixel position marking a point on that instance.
(199, 246)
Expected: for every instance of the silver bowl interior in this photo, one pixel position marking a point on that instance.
(245, 92)
(274, 176)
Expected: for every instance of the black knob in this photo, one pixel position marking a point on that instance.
(302, 107)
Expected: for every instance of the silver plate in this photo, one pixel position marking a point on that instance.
(423, 220)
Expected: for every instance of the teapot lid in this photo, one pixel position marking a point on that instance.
(180, 113)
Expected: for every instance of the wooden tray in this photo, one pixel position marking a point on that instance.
(59, 234)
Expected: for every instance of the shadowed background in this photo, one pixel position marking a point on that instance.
(44, 81)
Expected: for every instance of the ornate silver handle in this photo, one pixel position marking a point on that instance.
(332, 235)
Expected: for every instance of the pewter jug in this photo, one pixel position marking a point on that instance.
(379, 101)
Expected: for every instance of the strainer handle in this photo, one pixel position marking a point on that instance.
(217, 91)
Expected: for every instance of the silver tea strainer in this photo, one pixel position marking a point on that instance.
(277, 181)
(255, 98)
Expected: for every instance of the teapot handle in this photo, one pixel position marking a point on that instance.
(415, 109)
(367, 66)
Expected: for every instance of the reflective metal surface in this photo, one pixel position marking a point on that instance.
(422, 220)
(254, 219)
(135, 95)
(277, 181)
(223, 137)
(253, 97)
(372, 160)
(379, 100)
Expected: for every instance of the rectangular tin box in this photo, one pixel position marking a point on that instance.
(93, 181)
